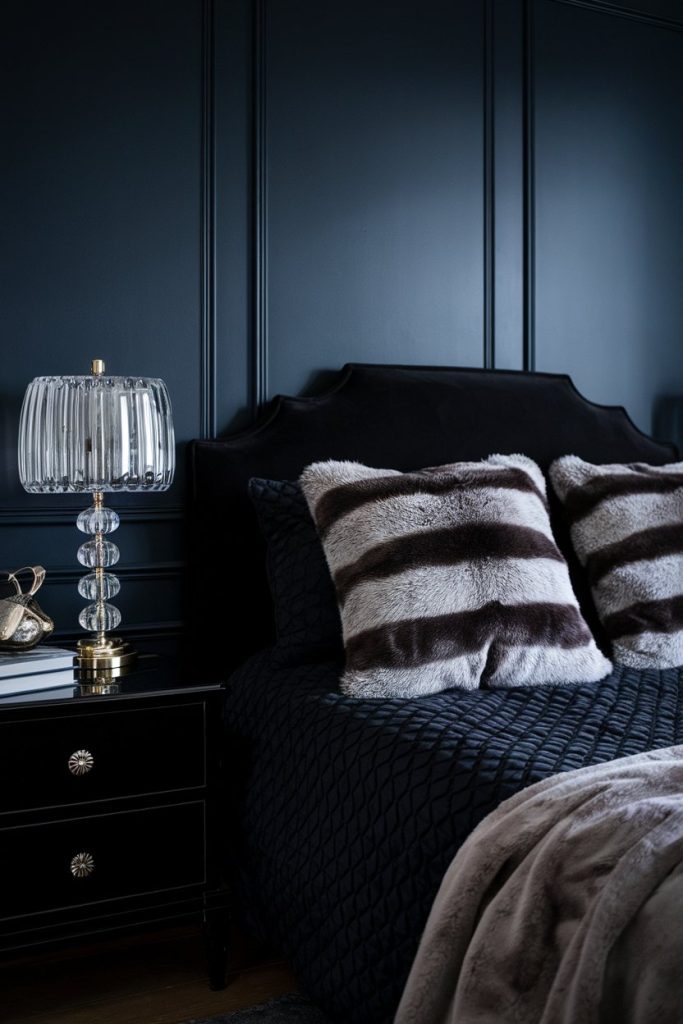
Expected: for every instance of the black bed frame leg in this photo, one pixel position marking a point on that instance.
(216, 930)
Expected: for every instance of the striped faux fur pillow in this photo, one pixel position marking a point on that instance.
(447, 577)
(626, 524)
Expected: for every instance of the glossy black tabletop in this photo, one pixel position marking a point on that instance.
(149, 674)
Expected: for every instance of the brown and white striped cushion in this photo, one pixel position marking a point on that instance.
(448, 576)
(626, 525)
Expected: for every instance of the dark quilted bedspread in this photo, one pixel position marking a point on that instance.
(351, 810)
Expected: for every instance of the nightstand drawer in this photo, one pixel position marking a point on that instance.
(104, 857)
(53, 761)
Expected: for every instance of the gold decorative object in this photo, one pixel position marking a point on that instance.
(23, 623)
(91, 434)
(82, 865)
(81, 762)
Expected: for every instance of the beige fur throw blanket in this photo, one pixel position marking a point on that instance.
(564, 906)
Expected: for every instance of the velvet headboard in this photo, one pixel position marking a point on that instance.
(400, 417)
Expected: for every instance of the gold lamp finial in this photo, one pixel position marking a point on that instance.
(97, 367)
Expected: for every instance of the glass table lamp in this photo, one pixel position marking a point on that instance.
(94, 434)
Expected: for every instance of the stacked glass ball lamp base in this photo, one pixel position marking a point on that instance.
(100, 652)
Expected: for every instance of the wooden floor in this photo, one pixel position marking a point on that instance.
(152, 979)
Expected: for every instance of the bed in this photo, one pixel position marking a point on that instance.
(345, 813)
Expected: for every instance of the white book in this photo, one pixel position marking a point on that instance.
(41, 681)
(34, 662)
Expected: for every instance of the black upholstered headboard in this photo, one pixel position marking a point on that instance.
(399, 417)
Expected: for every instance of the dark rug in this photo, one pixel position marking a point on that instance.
(292, 1009)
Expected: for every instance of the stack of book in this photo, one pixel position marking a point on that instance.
(46, 672)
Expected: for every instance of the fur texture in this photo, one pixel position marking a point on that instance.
(563, 906)
(448, 577)
(627, 529)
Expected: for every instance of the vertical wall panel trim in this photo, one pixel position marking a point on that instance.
(207, 413)
(259, 359)
(489, 355)
(529, 259)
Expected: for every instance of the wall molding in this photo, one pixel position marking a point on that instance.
(58, 516)
(145, 631)
(621, 11)
(259, 242)
(529, 217)
(134, 573)
(207, 357)
(489, 205)
(529, 241)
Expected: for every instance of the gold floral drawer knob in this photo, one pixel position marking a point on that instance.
(81, 762)
(82, 865)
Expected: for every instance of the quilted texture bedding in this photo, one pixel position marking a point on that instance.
(351, 810)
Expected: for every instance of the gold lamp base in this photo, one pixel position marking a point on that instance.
(108, 653)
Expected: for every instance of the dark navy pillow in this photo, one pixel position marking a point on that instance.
(307, 623)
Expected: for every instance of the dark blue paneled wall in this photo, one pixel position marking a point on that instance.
(239, 195)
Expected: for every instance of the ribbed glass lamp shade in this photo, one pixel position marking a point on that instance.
(96, 433)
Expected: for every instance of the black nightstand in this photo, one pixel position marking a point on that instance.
(110, 811)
